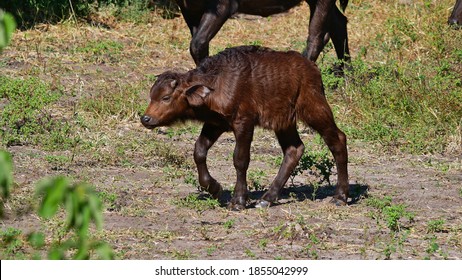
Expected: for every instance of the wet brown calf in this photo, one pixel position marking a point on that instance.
(239, 89)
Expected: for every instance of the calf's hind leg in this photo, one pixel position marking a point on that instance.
(207, 138)
(292, 147)
(336, 141)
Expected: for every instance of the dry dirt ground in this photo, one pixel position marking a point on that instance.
(152, 218)
(403, 206)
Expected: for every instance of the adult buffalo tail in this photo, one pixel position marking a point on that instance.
(343, 4)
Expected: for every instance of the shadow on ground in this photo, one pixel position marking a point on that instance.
(297, 194)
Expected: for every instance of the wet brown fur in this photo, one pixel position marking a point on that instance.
(239, 89)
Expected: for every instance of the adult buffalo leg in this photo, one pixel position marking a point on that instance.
(292, 147)
(319, 15)
(337, 26)
(210, 24)
(241, 158)
(207, 138)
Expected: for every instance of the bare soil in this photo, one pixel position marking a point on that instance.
(146, 222)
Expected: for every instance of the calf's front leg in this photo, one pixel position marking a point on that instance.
(207, 138)
(241, 160)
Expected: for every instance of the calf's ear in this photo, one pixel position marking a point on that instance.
(196, 95)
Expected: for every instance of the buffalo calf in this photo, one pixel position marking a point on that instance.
(239, 89)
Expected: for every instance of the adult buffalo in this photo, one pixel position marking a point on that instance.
(205, 18)
(456, 16)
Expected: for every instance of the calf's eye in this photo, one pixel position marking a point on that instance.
(166, 98)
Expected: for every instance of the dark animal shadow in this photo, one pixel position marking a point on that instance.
(300, 193)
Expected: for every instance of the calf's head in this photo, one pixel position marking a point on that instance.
(173, 97)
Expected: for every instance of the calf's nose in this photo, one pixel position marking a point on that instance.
(145, 119)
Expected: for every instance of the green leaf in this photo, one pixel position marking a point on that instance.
(104, 251)
(7, 26)
(37, 240)
(6, 174)
(96, 209)
(54, 191)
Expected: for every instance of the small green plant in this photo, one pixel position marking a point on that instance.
(210, 250)
(255, 179)
(82, 207)
(263, 243)
(109, 200)
(191, 179)
(435, 226)
(181, 255)
(394, 213)
(249, 253)
(229, 223)
(318, 163)
(193, 201)
(12, 242)
(391, 213)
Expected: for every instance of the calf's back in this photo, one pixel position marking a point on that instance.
(259, 83)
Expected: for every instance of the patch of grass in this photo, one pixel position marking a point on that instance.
(210, 250)
(120, 102)
(108, 199)
(255, 178)
(101, 51)
(435, 226)
(191, 179)
(316, 162)
(389, 212)
(198, 203)
(182, 255)
(191, 128)
(57, 162)
(229, 223)
(12, 244)
(249, 253)
(399, 95)
(263, 243)
(27, 118)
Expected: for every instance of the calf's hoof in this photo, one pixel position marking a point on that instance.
(263, 204)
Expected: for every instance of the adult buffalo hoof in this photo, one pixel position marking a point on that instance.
(235, 207)
(214, 189)
(263, 204)
(237, 204)
(338, 202)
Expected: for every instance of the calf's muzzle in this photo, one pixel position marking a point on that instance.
(148, 122)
